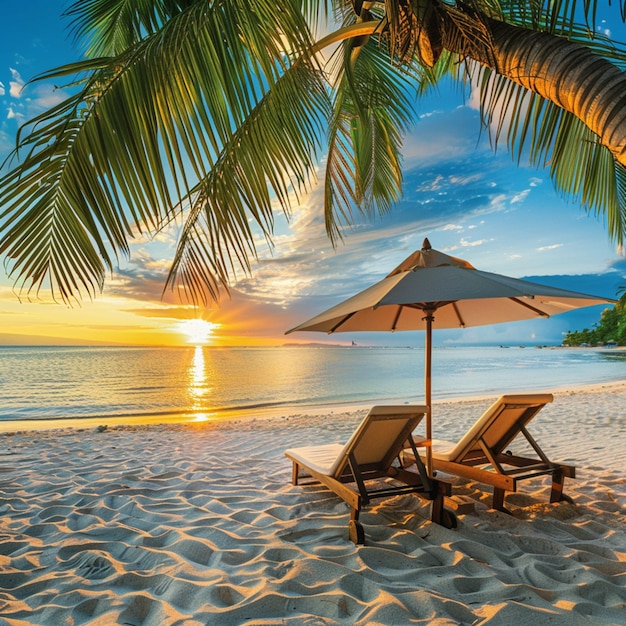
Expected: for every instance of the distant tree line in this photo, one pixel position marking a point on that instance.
(610, 329)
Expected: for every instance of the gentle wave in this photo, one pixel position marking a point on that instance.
(78, 382)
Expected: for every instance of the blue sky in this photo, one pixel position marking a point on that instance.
(467, 200)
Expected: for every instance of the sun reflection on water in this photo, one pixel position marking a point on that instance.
(198, 387)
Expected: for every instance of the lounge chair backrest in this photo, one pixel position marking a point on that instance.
(500, 423)
(380, 436)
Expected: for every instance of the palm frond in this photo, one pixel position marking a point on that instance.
(271, 157)
(372, 108)
(121, 155)
(559, 18)
(581, 168)
(110, 27)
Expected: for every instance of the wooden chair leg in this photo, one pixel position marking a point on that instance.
(436, 511)
(439, 514)
(355, 529)
(295, 470)
(498, 499)
(556, 493)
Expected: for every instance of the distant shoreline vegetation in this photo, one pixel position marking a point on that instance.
(610, 330)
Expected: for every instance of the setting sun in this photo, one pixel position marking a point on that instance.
(197, 331)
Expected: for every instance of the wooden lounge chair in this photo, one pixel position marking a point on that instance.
(482, 453)
(354, 471)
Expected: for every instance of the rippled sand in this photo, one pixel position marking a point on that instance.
(199, 524)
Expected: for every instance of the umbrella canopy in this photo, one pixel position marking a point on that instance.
(430, 288)
(461, 295)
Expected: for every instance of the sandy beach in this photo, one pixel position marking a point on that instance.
(197, 523)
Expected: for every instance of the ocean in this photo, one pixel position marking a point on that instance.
(47, 383)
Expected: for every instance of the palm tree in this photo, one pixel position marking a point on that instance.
(214, 112)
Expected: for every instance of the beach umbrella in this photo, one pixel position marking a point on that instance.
(430, 289)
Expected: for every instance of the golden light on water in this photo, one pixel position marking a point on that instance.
(199, 386)
(198, 332)
(197, 375)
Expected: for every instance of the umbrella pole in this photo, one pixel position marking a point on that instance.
(428, 387)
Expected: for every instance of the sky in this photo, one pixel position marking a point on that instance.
(468, 201)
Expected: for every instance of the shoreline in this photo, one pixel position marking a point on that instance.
(271, 413)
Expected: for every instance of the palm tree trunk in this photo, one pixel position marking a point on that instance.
(565, 73)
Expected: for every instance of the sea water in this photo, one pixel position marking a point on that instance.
(77, 382)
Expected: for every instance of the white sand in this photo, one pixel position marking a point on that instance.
(199, 524)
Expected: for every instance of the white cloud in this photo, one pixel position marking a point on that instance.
(472, 244)
(431, 185)
(16, 85)
(465, 180)
(443, 136)
(497, 203)
(26, 103)
(604, 29)
(520, 197)
(554, 246)
(46, 95)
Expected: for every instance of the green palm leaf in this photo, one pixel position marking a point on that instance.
(144, 130)
(372, 108)
(271, 157)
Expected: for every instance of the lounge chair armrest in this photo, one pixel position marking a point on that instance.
(420, 442)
